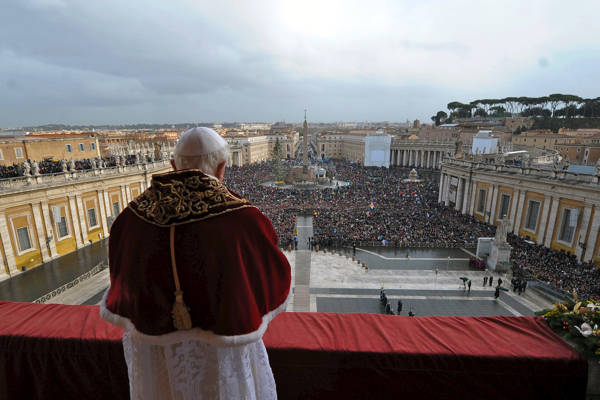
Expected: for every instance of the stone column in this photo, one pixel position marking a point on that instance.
(128, 191)
(75, 221)
(107, 204)
(49, 228)
(519, 214)
(543, 215)
(552, 221)
(8, 249)
(41, 235)
(488, 204)
(405, 158)
(446, 189)
(123, 198)
(591, 242)
(580, 236)
(82, 218)
(466, 196)
(422, 158)
(103, 213)
(459, 194)
(410, 158)
(441, 190)
(472, 199)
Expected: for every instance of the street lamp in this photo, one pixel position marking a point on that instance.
(448, 264)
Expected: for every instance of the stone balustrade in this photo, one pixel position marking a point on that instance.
(24, 182)
(542, 173)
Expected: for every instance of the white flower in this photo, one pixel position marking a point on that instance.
(593, 306)
(585, 330)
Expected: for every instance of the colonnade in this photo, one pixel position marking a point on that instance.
(418, 158)
(535, 208)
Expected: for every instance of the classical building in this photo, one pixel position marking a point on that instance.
(248, 148)
(46, 216)
(555, 208)
(75, 146)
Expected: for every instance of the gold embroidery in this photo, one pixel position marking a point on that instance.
(186, 196)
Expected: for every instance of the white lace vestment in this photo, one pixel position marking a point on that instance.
(193, 369)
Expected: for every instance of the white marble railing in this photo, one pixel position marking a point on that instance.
(522, 170)
(26, 182)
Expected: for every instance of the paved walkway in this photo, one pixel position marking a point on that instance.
(303, 255)
(36, 282)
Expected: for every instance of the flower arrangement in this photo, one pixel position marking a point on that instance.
(578, 321)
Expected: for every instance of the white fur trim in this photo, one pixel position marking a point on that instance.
(190, 334)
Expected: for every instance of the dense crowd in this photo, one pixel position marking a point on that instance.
(378, 207)
(557, 268)
(50, 166)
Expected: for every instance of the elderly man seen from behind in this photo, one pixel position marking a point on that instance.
(196, 276)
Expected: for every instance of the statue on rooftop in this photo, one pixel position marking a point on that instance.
(26, 168)
(35, 168)
(63, 165)
(71, 165)
(94, 164)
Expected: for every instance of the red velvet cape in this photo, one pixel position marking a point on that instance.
(233, 276)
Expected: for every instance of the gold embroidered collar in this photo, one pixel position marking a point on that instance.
(184, 196)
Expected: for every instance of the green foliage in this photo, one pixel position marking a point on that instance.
(275, 161)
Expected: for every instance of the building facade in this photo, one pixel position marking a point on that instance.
(557, 209)
(65, 147)
(47, 216)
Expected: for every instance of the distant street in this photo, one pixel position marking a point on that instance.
(32, 284)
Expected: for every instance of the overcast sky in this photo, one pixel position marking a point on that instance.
(115, 61)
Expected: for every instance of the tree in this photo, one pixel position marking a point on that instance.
(276, 165)
(554, 100)
(439, 118)
(480, 112)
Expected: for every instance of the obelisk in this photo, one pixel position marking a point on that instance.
(305, 146)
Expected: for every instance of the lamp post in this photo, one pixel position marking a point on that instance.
(448, 264)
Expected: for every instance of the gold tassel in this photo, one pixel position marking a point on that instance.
(180, 313)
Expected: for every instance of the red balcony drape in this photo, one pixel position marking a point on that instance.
(69, 352)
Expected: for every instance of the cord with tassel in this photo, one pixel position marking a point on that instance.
(180, 313)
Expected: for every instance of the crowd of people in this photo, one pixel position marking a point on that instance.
(379, 207)
(52, 166)
(556, 268)
(376, 207)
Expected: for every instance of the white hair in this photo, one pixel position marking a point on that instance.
(206, 163)
(201, 148)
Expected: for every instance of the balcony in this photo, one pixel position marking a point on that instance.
(64, 352)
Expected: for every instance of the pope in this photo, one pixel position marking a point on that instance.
(195, 278)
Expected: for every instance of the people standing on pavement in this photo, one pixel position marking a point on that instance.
(485, 279)
(491, 279)
(469, 284)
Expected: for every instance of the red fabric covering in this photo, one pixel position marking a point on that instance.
(231, 272)
(68, 352)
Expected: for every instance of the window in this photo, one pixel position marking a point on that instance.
(92, 217)
(568, 225)
(92, 146)
(116, 208)
(533, 209)
(81, 147)
(23, 238)
(504, 204)
(60, 219)
(481, 201)
(69, 148)
(19, 152)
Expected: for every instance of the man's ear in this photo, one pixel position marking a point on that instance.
(173, 165)
(220, 173)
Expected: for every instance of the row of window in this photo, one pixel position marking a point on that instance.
(81, 147)
(22, 224)
(69, 147)
(567, 225)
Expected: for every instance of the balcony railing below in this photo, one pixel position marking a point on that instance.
(50, 351)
